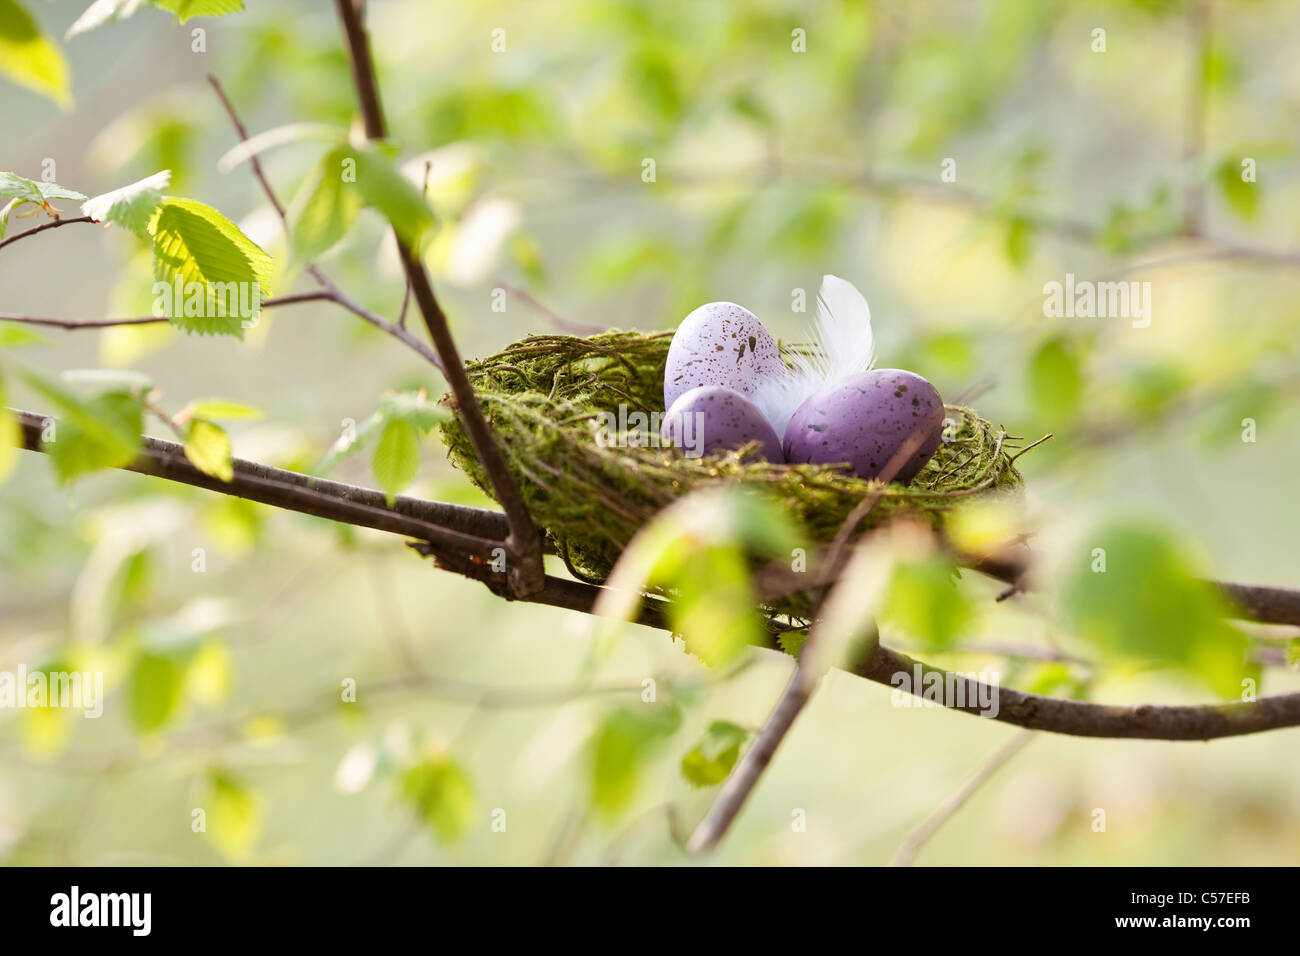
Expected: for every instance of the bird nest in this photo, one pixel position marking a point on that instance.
(548, 396)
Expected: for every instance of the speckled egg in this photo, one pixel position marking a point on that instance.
(710, 418)
(720, 344)
(864, 420)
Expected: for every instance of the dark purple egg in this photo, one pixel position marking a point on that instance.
(720, 343)
(710, 419)
(865, 420)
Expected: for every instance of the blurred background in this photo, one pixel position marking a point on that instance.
(788, 140)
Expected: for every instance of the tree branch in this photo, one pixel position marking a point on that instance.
(525, 572)
(52, 224)
(462, 537)
(1076, 717)
(479, 530)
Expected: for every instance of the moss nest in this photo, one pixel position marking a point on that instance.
(544, 397)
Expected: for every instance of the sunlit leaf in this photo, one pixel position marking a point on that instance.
(713, 756)
(620, 747)
(922, 602)
(154, 691)
(1133, 591)
(5, 210)
(1055, 379)
(327, 212)
(189, 9)
(39, 192)
(1241, 196)
(440, 791)
(414, 408)
(95, 433)
(396, 460)
(216, 275)
(130, 206)
(220, 409)
(109, 379)
(209, 673)
(234, 815)
(383, 188)
(207, 446)
(29, 58)
(10, 438)
(13, 335)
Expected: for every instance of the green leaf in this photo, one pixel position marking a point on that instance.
(397, 457)
(328, 211)
(21, 189)
(207, 446)
(110, 379)
(1240, 195)
(208, 674)
(1293, 654)
(28, 58)
(105, 11)
(186, 10)
(620, 747)
(1018, 241)
(442, 795)
(101, 12)
(711, 759)
(922, 601)
(385, 189)
(98, 433)
(10, 437)
(215, 275)
(5, 210)
(349, 441)
(415, 409)
(701, 548)
(234, 815)
(220, 409)
(1055, 379)
(1149, 604)
(13, 335)
(131, 207)
(154, 691)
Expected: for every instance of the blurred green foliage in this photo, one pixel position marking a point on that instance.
(787, 140)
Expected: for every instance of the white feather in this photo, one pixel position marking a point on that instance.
(842, 345)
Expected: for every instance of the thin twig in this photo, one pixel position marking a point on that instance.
(525, 572)
(559, 321)
(330, 294)
(52, 224)
(73, 324)
(927, 828)
(396, 329)
(253, 160)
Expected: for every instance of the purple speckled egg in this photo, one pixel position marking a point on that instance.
(710, 419)
(720, 344)
(864, 420)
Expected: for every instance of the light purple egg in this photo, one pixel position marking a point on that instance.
(720, 344)
(710, 419)
(865, 420)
